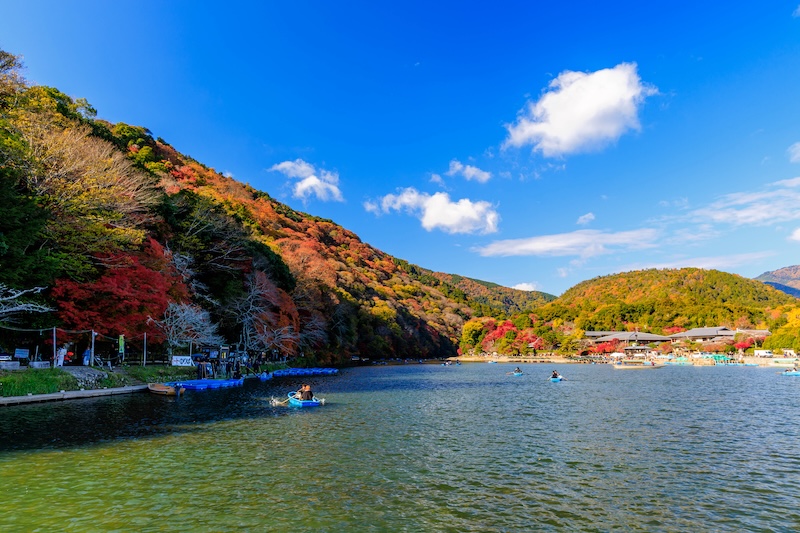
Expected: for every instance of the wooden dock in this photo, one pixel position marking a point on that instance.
(70, 395)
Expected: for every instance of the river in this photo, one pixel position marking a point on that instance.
(417, 448)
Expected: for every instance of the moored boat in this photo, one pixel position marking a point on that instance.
(203, 384)
(636, 365)
(165, 389)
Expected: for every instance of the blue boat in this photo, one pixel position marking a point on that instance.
(556, 380)
(517, 373)
(790, 373)
(203, 384)
(291, 372)
(316, 402)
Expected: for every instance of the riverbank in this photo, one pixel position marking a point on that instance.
(780, 363)
(90, 383)
(554, 359)
(70, 395)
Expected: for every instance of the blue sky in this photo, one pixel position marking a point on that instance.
(523, 143)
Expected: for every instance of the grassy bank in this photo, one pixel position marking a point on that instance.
(158, 374)
(36, 381)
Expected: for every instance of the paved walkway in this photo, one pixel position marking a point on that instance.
(70, 395)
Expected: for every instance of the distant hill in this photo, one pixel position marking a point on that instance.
(787, 276)
(496, 296)
(652, 300)
(784, 288)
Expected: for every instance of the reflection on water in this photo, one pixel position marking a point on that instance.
(418, 448)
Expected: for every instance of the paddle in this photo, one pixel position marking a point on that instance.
(276, 402)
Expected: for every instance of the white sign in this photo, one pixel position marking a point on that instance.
(182, 360)
(21, 353)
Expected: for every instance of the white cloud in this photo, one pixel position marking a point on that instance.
(585, 219)
(582, 243)
(791, 182)
(794, 151)
(753, 208)
(228, 174)
(437, 211)
(796, 12)
(322, 184)
(468, 171)
(795, 236)
(582, 111)
(525, 286)
(437, 179)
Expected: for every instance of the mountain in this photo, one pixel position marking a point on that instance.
(128, 236)
(119, 233)
(653, 300)
(783, 277)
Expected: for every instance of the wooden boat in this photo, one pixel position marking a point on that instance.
(636, 365)
(165, 389)
(315, 402)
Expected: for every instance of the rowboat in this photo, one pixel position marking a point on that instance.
(315, 402)
(164, 389)
(556, 380)
(517, 373)
(790, 373)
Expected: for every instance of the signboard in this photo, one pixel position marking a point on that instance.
(21, 353)
(182, 360)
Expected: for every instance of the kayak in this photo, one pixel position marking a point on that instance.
(316, 402)
(556, 380)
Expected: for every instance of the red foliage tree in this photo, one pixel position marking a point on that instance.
(497, 333)
(136, 287)
(744, 343)
(607, 347)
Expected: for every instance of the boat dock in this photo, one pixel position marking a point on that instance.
(70, 395)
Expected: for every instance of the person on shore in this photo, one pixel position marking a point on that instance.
(87, 355)
(60, 355)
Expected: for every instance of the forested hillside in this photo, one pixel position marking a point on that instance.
(652, 300)
(657, 301)
(128, 236)
(108, 228)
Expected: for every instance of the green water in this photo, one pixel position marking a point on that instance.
(418, 448)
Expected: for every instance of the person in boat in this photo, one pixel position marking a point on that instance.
(555, 374)
(304, 393)
(517, 370)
